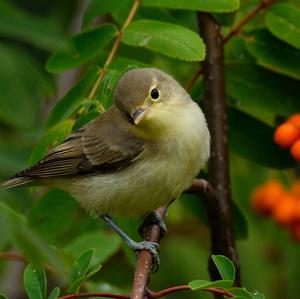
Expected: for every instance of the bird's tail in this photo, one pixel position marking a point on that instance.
(17, 181)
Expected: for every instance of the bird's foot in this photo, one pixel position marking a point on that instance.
(152, 247)
(153, 218)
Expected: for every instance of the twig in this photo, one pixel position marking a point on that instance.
(233, 32)
(114, 50)
(219, 210)
(151, 294)
(13, 256)
(144, 262)
(90, 295)
(237, 28)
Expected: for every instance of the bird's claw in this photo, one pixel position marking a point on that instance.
(153, 248)
(153, 218)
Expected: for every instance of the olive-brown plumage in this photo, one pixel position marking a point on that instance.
(141, 153)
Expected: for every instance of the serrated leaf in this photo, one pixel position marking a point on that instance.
(71, 101)
(105, 245)
(166, 38)
(204, 284)
(54, 294)
(101, 7)
(224, 266)
(22, 25)
(256, 88)
(35, 282)
(79, 269)
(252, 139)
(53, 214)
(52, 137)
(82, 48)
(283, 20)
(208, 6)
(273, 54)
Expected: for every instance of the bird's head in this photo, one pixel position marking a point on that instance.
(151, 99)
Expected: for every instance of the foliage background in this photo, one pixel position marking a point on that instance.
(262, 76)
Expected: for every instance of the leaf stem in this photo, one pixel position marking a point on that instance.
(114, 50)
(233, 32)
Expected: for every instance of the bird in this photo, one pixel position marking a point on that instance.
(140, 154)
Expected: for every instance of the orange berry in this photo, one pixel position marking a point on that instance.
(284, 212)
(295, 120)
(295, 150)
(285, 135)
(266, 197)
(296, 189)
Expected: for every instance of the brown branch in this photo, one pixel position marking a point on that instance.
(89, 295)
(150, 294)
(114, 49)
(233, 32)
(238, 27)
(13, 256)
(144, 262)
(219, 209)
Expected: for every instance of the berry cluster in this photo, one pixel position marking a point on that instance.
(272, 199)
(287, 135)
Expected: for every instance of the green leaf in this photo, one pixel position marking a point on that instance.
(54, 294)
(80, 269)
(105, 245)
(53, 137)
(255, 89)
(22, 85)
(101, 7)
(71, 101)
(258, 295)
(74, 288)
(20, 24)
(84, 119)
(252, 139)
(82, 48)
(208, 5)
(2, 296)
(54, 213)
(35, 282)
(241, 292)
(225, 267)
(81, 265)
(166, 38)
(283, 20)
(273, 54)
(204, 284)
(32, 246)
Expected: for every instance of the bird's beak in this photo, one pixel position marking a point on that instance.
(139, 114)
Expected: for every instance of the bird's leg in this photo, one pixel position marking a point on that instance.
(152, 247)
(153, 218)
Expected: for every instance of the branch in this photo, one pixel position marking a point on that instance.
(233, 32)
(114, 50)
(218, 209)
(150, 294)
(89, 295)
(144, 262)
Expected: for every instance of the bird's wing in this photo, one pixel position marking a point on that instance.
(103, 145)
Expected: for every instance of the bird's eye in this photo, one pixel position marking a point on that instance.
(154, 94)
